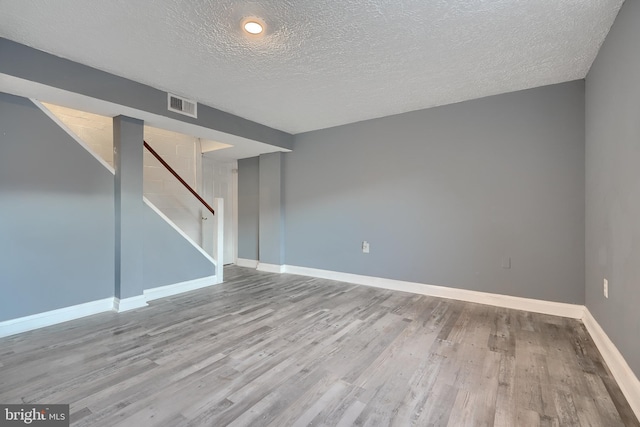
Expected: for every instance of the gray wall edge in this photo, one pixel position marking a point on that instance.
(34, 65)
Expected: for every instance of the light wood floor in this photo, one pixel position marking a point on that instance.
(284, 350)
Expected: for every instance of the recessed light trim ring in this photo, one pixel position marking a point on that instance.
(253, 26)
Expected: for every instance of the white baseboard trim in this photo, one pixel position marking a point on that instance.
(48, 318)
(573, 311)
(248, 263)
(178, 288)
(626, 379)
(131, 303)
(271, 268)
(53, 317)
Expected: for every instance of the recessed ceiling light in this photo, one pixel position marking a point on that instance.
(252, 26)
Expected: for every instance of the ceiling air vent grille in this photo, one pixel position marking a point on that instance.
(182, 105)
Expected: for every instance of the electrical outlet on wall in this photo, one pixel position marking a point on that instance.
(365, 247)
(606, 288)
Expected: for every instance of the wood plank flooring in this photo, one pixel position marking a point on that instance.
(283, 350)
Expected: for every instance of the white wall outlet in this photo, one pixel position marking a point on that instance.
(606, 288)
(365, 247)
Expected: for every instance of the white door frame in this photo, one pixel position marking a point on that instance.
(231, 204)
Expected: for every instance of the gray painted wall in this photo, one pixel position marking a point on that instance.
(127, 159)
(56, 216)
(444, 195)
(613, 184)
(28, 63)
(271, 217)
(168, 257)
(248, 207)
(57, 222)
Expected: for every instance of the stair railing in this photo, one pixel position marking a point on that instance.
(218, 241)
(178, 177)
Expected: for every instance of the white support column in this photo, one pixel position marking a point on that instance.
(218, 247)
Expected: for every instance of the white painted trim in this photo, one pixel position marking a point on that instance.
(178, 288)
(626, 379)
(249, 263)
(270, 268)
(53, 317)
(234, 207)
(72, 134)
(131, 303)
(218, 241)
(182, 233)
(573, 311)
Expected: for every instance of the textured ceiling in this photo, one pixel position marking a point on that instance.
(322, 63)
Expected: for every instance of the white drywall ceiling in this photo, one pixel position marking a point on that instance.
(322, 63)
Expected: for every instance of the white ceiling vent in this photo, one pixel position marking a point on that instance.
(181, 105)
